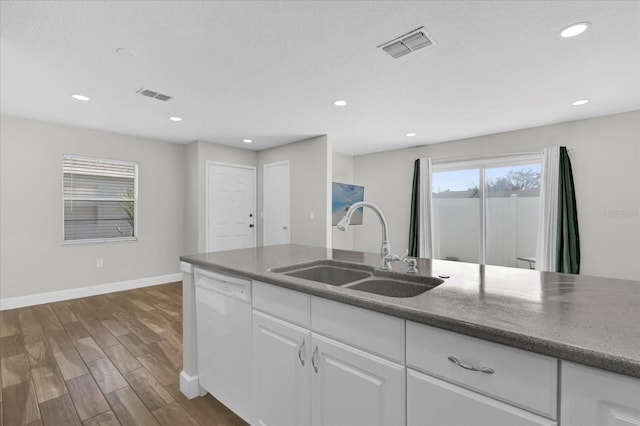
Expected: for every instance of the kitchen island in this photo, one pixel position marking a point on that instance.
(585, 320)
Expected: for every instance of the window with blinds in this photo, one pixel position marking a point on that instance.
(100, 199)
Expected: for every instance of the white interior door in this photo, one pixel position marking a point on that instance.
(277, 204)
(230, 206)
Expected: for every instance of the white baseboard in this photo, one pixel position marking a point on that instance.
(190, 386)
(75, 293)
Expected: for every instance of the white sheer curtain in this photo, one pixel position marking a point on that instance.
(548, 221)
(426, 235)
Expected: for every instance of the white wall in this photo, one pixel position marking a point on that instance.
(32, 257)
(196, 156)
(605, 156)
(342, 170)
(310, 165)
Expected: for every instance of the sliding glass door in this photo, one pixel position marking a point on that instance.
(487, 211)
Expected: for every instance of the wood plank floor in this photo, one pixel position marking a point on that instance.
(113, 359)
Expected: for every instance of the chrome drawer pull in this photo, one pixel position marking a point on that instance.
(300, 348)
(313, 360)
(486, 370)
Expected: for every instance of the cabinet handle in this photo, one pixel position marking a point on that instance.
(313, 360)
(486, 370)
(300, 348)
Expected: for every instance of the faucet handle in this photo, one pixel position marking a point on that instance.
(404, 256)
(413, 263)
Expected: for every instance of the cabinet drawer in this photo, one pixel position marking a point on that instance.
(282, 303)
(372, 331)
(521, 378)
(436, 402)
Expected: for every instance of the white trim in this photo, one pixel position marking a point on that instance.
(482, 158)
(206, 197)
(75, 293)
(88, 157)
(190, 386)
(277, 163)
(482, 258)
(186, 267)
(100, 241)
(439, 165)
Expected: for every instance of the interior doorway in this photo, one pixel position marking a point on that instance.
(277, 203)
(230, 206)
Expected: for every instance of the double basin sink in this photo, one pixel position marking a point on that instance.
(361, 278)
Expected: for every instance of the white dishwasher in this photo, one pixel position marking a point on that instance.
(223, 327)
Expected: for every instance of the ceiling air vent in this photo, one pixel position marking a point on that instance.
(155, 95)
(407, 43)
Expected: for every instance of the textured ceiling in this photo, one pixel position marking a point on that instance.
(270, 70)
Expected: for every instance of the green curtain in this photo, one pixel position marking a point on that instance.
(414, 222)
(568, 238)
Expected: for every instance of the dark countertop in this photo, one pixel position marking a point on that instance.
(590, 320)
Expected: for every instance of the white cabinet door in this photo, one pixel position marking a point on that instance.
(592, 397)
(351, 387)
(431, 401)
(281, 373)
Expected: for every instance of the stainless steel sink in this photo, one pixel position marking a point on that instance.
(392, 288)
(354, 276)
(330, 274)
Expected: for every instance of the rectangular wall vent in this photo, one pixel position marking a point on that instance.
(155, 95)
(407, 43)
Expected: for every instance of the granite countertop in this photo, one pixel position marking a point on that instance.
(590, 320)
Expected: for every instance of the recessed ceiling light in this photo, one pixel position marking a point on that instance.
(574, 29)
(81, 98)
(339, 103)
(247, 140)
(175, 118)
(580, 102)
(411, 134)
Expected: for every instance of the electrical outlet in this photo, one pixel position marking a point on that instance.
(99, 262)
(312, 216)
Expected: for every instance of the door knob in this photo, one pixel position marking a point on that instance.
(285, 228)
(251, 225)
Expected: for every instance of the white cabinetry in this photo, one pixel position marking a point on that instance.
(281, 373)
(453, 363)
(353, 387)
(592, 397)
(436, 402)
(308, 378)
(279, 357)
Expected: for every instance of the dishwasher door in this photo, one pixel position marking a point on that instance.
(223, 327)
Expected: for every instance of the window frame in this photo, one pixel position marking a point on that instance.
(133, 238)
(482, 163)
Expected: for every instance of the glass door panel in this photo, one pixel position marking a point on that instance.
(512, 196)
(456, 215)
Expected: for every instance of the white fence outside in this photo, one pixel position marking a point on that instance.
(511, 223)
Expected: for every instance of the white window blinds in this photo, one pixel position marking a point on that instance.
(100, 199)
